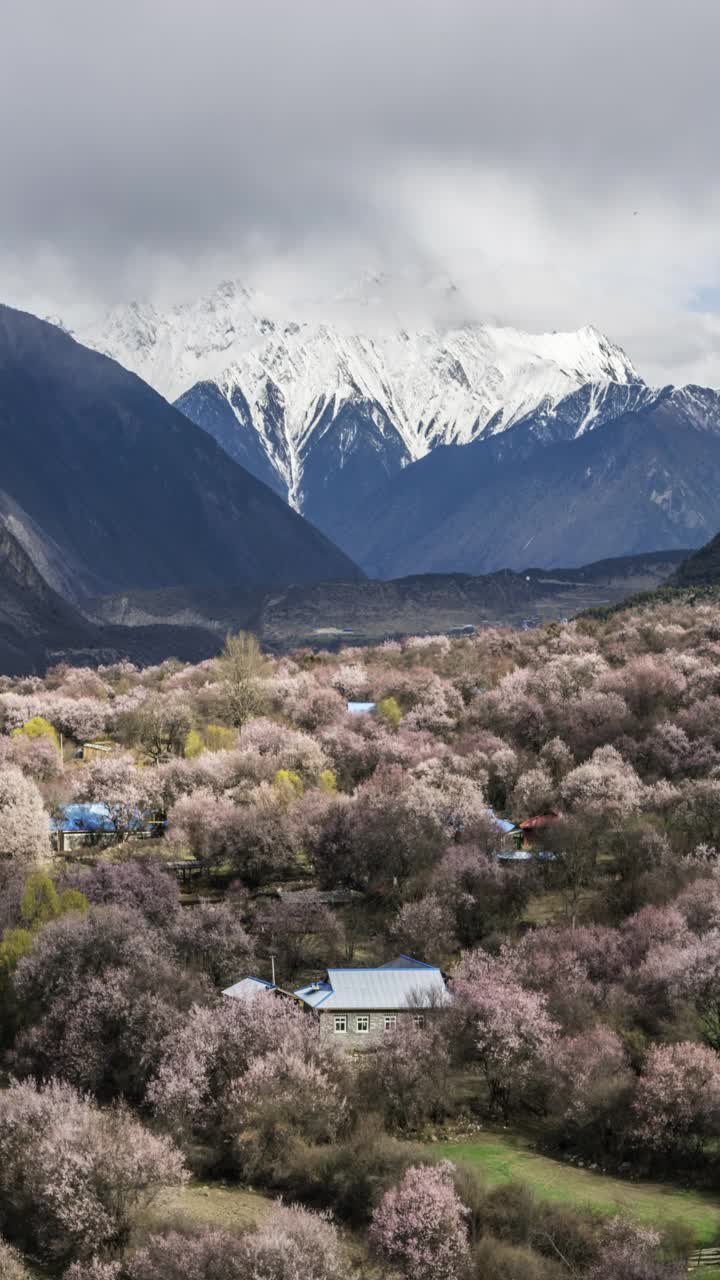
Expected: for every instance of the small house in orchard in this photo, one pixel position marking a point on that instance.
(356, 1008)
(75, 825)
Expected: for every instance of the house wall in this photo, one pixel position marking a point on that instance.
(354, 1040)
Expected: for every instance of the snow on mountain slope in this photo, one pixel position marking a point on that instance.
(323, 411)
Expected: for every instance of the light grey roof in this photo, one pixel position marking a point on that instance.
(248, 988)
(386, 988)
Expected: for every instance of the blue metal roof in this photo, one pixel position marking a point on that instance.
(360, 708)
(248, 988)
(404, 987)
(501, 823)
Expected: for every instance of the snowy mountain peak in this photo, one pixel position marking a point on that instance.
(336, 400)
(201, 339)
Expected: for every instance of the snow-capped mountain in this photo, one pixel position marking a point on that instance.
(325, 413)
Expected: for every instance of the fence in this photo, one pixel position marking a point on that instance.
(704, 1258)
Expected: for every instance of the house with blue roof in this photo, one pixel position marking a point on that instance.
(74, 825)
(357, 1008)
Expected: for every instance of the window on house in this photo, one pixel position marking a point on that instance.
(341, 1022)
(390, 1022)
(419, 1021)
(363, 1023)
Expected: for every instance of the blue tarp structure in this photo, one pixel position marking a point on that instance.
(94, 819)
(360, 708)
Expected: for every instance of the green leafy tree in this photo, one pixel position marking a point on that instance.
(37, 727)
(242, 665)
(389, 710)
(41, 901)
(194, 745)
(218, 737)
(289, 783)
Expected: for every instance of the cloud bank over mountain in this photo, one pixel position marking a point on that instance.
(557, 162)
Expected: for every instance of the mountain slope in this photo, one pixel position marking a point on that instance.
(326, 413)
(106, 486)
(649, 478)
(30, 611)
(38, 628)
(701, 569)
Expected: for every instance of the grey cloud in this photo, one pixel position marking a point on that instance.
(139, 137)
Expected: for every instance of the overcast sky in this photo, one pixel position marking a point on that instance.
(558, 159)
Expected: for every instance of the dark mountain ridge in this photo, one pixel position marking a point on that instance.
(701, 569)
(110, 487)
(38, 627)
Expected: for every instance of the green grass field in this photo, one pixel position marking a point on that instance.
(503, 1158)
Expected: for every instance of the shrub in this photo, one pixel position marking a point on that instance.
(219, 738)
(350, 1177)
(207, 1255)
(11, 1266)
(294, 1244)
(194, 745)
(494, 1260)
(71, 1174)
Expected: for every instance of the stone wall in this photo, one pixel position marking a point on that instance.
(380, 1023)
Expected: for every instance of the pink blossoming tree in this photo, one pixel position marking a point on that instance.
(420, 1225)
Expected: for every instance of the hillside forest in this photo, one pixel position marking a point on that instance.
(253, 820)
